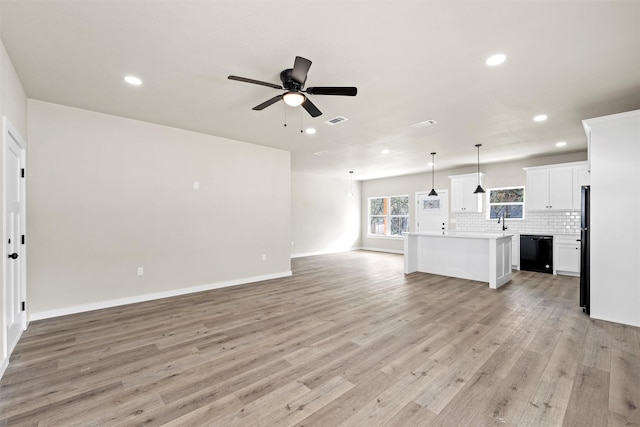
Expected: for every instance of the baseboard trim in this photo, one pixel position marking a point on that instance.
(149, 297)
(3, 366)
(306, 254)
(391, 251)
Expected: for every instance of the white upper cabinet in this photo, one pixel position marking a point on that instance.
(581, 176)
(555, 187)
(462, 197)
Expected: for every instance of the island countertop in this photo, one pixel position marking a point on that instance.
(464, 234)
(467, 255)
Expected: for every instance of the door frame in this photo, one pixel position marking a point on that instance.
(417, 196)
(9, 131)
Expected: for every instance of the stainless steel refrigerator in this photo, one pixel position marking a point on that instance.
(585, 294)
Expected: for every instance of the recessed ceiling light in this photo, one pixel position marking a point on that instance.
(132, 80)
(385, 151)
(496, 59)
(310, 131)
(424, 123)
(540, 118)
(561, 143)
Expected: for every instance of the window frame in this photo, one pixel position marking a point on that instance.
(522, 204)
(387, 217)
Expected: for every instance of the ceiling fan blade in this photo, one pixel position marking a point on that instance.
(265, 104)
(332, 90)
(311, 108)
(300, 69)
(255, 82)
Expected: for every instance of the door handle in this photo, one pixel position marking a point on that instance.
(13, 255)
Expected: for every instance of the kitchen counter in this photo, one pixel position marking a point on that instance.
(465, 234)
(485, 257)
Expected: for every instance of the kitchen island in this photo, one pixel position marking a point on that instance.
(485, 257)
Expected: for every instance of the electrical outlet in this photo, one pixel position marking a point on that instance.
(140, 271)
(196, 185)
(264, 257)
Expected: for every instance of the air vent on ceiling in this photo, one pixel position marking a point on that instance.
(424, 123)
(336, 120)
(320, 153)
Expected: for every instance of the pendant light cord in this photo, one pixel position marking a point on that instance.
(478, 179)
(479, 189)
(433, 191)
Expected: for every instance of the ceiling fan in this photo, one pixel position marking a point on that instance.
(293, 80)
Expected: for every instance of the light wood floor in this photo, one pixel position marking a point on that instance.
(349, 340)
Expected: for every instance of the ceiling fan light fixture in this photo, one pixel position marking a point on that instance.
(293, 99)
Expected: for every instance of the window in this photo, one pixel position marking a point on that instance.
(508, 201)
(388, 216)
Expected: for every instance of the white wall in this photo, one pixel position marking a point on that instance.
(13, 105)
(324, 218)
(505, 174)
(109, 194)
(615, 223)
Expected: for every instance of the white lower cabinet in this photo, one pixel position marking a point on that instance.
(566, 254)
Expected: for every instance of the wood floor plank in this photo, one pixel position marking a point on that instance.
(597, 346)
(548, 404)
(624, 392)
(351, 401)
(348, 339)
(589, 401)
(293, 412)
(411, 414)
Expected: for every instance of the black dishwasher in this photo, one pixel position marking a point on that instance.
(536, 253)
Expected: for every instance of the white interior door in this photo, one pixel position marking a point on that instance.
(14, 225)
(432, 212)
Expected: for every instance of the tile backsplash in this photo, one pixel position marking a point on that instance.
(534, 222)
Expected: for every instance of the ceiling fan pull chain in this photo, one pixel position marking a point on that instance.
(300, 120)
(285, 114)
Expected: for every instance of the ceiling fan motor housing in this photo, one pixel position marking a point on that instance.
(288, 82)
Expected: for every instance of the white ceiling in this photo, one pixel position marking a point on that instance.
(411, 61)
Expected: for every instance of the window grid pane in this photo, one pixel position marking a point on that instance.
(400, 205)
(378, 225)
(507, 202)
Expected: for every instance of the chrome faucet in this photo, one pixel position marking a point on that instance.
(504, 224)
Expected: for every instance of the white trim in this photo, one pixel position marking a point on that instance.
(150, 297)
(391, 251)
(385, 237)
(388, 215)
(557, 165)
(3, 366)
(306, 254)
(9, 131)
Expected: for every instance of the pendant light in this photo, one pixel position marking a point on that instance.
(433, 165)
(351, 195)
(479, 188)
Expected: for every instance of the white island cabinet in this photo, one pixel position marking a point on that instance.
(485, 257)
